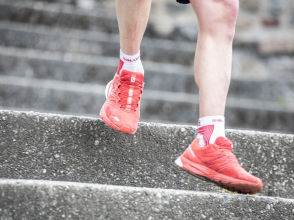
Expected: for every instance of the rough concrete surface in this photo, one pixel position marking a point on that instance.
(80, 149)
(27, 199)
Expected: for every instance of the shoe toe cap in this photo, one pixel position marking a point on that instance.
(124, 122)
(244, 175)
(253, 181)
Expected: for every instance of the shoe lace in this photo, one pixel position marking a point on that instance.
(123, 91)
(225, 158)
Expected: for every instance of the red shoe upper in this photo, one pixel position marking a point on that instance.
(122, 107)
(219, 157)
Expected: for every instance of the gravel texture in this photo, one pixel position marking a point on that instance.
(28, 199)
(80, 149)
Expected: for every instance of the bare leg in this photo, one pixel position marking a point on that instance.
(210, 154)
(213, 57)
(123, 93)
(132, 16)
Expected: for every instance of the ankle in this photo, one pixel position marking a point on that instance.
(210, 128)
(131, 63)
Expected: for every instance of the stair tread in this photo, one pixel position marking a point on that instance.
(167, 96)
(82, 98)
(83, 149)
(94, 36)
(85, 68)
(92, 201)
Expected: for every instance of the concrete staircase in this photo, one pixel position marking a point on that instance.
(63, 200)
(57, 57)
(53, 56)
(83, 151)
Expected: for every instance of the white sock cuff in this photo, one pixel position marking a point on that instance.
(210, 128)
(210, 120)
(130, 58)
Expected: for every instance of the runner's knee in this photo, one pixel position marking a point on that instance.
(220, 17)
(231, 9)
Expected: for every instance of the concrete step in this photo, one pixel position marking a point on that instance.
(247, 62)
(156, 121)
(70, 16)
(97, 3)
(82, 149)
(58, 1)
(51, 95)
(83, 68)
(97, 116)
(28, 199)
(58, 15)
(96, 43)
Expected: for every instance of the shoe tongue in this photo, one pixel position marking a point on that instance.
(131, 78)
(224, 143)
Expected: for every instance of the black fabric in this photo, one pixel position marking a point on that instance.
(183, 1)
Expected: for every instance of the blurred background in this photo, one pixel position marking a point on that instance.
(56, 56)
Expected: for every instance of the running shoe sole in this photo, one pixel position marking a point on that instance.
(232, 184)
(123, 129)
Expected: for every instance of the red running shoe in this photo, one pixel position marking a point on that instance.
(217, 163)
(121, 111)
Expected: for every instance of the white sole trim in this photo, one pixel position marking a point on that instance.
(178, 162)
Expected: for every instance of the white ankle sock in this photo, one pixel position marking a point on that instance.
(131, 63)
(210, 128)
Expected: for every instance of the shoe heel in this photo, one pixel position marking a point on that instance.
(107, 89)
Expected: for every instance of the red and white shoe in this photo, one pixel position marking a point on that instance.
(217, 163)
(121, 111)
